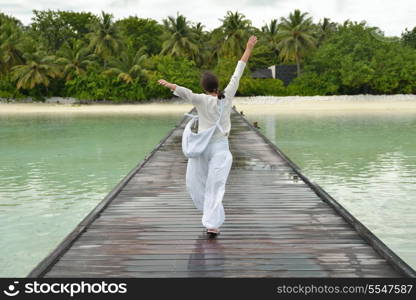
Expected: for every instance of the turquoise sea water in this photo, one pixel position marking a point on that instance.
(367, 162)
(55, 169)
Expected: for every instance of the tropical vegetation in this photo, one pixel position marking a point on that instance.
(96, 57)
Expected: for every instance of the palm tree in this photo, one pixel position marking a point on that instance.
(104, 38)
(11, 55)
(181, 40)
(214, 42)
(272, 28)
(129, 65)
(324, 28)
(295, 37)
(9, 19)
(270, 32)
(75, 58)
(38, 70)
(235, 29)
(201, 39)
(198, 29)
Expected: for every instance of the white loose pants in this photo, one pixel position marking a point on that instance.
(206, 177)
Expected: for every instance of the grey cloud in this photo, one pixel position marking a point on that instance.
(123, 3)
(263, 2)
(10, 6)
(15, 8)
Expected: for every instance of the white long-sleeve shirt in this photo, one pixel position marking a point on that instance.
(206, 105)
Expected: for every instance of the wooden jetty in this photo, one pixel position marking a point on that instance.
(278, 224)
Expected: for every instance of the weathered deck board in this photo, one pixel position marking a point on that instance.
(275, 226)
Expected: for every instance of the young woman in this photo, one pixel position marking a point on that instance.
(207, 174)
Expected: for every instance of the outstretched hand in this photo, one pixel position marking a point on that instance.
(251, 42)
(163, 82)
(167, 84)
(250, 45)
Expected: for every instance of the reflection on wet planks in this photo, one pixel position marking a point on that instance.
(276, 225)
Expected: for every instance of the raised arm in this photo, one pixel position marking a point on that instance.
(169, 85)
(249, 48)
(182, 92)
(232, 86)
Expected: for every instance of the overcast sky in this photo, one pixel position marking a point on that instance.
(392, 17)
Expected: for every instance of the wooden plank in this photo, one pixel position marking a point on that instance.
(275, 226)
(53, 256)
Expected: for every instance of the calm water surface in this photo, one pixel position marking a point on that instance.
(54, 170)
(366, 162)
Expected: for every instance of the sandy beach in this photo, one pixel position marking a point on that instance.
(265, 105)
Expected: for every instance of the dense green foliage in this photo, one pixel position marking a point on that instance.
(90, 57)
(409, 37)
(353, 61)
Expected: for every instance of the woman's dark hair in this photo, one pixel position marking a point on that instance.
(209, 82)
